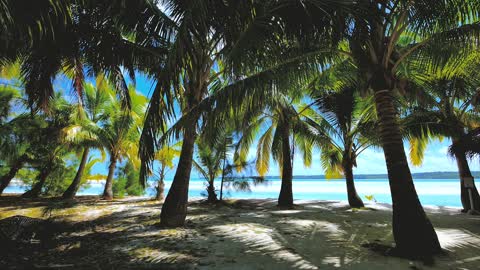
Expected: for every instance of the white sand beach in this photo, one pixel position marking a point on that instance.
(244, 234)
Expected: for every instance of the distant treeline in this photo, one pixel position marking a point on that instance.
(426, 175)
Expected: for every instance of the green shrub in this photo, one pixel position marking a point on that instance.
(127, 182)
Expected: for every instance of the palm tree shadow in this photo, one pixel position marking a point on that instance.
(311, 236)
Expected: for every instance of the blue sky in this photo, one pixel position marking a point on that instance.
(371, 161)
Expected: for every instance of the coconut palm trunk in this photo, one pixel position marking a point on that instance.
(353, 199)
(75, 185)
(161, 185)
(174, 210)
(7, 178)
(212, 195)
(108, 191)
(285, 199)
(223, 174)
(160, 190)
(464, 171)
(412, 230)
(37, 188)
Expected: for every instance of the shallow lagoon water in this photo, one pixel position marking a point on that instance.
(438, 192)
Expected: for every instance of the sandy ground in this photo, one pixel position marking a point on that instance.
(245, 234)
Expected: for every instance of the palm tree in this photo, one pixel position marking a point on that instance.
(101, 123)
(282, 130)
(14, 129)
(15, 147)
(217, 156)
(165, 157)
(468, 145)
(209, 165)
(17, 138)
(26, 138)
(225, 145)
(46, 147)
(447, 109)
(95, 111)
(344, 129)
(212, 156)
(119, 137)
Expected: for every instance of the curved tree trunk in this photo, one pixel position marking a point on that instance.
(285, 199)
(174, 210)
(7, 178)
(412, 230)
(212, 195)
(108, 191)
(37, 188)
(353, 199)
(75, 185)
(464, 171)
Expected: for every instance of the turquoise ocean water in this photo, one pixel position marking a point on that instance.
(438, 192)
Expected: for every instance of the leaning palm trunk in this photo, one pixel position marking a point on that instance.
(464, 171)
(174, 210)
(108, 191)
(7, 178)
(75, 185)
(285, 199)
(413, 233)
(37, 188)
(353, 199)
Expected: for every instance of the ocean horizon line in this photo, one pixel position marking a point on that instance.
(437, 175)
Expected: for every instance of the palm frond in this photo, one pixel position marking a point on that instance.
(264, 147)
